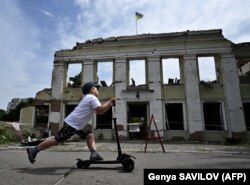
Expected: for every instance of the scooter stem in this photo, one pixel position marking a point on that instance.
(116, 133)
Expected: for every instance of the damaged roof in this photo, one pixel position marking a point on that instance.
(89, 43)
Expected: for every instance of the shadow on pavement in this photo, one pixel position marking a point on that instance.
(44, 170)
(63, 170)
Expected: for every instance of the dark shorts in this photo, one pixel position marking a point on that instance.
(67, 131)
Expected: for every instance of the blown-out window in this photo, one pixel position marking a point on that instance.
(213, 117)
(41, 115)
(171, 71)
(69, 109)
(207, 70)
(174, 116)
(105, 73)
(137, 72)
(246, 107)
(74, 75)
(104, 121)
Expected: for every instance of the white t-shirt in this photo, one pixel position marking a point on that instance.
(83, 112)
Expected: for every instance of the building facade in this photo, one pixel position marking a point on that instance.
(194, 83)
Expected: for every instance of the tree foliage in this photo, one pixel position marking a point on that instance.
(75, 81)
(2, 114)
(14, 114)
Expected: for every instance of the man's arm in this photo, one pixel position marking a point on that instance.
(106, 106)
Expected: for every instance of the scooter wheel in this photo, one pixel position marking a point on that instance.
(82, 164)
(128, 164)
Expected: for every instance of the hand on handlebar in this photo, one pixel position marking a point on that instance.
(113, 101)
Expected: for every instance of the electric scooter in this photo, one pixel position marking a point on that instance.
(124, 159)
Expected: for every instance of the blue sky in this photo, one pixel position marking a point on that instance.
(32, 30)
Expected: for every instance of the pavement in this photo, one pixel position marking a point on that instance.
(139, 146)
(57, 165)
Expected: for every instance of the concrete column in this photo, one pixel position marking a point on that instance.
(55, 117)
(233, 103)
(57, 80)
(154, 82)
(193, 103)
(88, 71)
(120, 85)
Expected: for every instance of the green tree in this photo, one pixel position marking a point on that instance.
(2, 114)
(13, 115)
(75, 81)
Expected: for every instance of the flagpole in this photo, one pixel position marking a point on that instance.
(136, 25)
(137, 16)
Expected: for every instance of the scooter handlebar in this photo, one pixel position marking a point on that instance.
(113, 110)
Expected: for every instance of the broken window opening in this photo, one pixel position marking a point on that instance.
(207, 70)
(174, 116)
(171, 71)
(69, 109)
(213, 117)
(74, 75)
(246, 107)
(41, 116)
(244, 71)
(137, 73)
(105, 73)
(104, 121)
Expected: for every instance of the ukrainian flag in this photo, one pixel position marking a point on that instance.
(138, 15)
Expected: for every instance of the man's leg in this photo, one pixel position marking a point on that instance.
(63, 134)
(90, 139)
(33, 150)
(91, 142)
(47, 144)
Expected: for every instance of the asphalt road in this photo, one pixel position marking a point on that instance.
(59, 167)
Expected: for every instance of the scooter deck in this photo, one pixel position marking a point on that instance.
(100, 161)
(127, 163)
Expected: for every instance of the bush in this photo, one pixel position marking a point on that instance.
(7, 134)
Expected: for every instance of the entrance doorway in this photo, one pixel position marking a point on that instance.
(137, 117)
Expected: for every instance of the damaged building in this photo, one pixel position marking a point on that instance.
(196, 84)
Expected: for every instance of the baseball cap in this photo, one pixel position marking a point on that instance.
(87, 86)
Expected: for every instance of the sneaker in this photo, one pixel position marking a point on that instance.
(96, 157)
(31, 154)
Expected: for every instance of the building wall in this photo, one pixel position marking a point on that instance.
(152, 48)
(27, 117)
